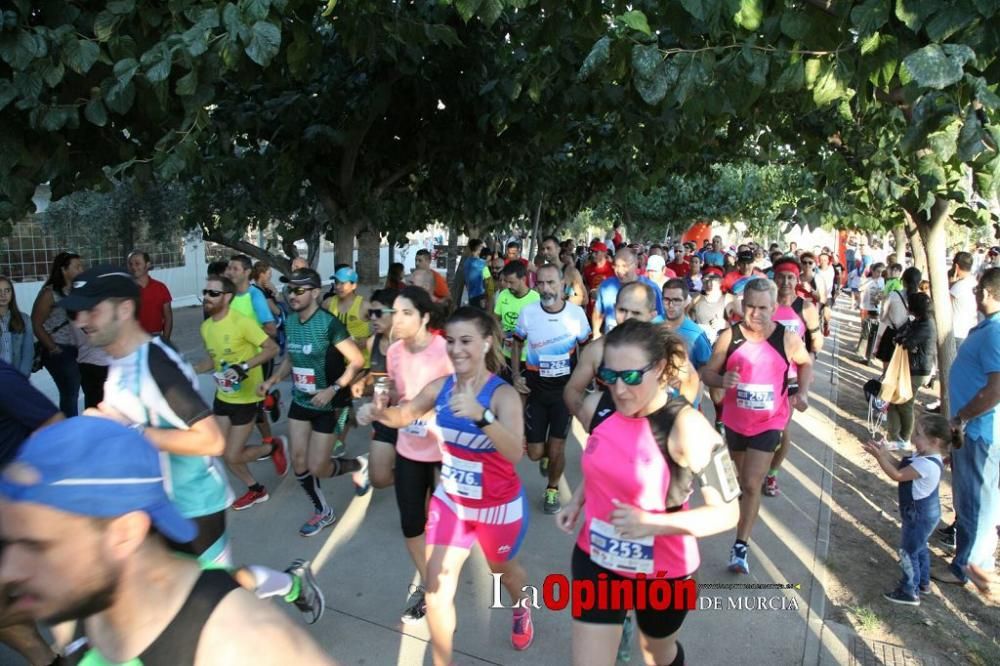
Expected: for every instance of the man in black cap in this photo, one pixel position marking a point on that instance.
(744, 268)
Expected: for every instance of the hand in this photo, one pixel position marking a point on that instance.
(632, 523)
(323, 398)
(521, 385)
(800, 402)
(357, 389)
(873, 447)
(264, 387)
(465, 405)
(730, 380)
(566, 520)
(365, 414)
(106, 411)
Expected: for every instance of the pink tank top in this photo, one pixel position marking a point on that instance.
(623, 461)
(760, 402)
(420, 440)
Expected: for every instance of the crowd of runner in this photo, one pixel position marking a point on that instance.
(684, 366)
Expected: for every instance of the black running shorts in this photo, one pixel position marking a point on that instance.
(545, 415)
(324, 422)
(766, 441)
(238, 414)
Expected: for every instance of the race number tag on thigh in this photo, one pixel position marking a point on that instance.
(756, 397)
(418, 428)
(304, 380)
(462, 478)
(612, 551)
(553, 365)
(224, 384)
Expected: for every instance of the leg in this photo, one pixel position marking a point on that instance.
(414, 482)
(893, 424)
(235, 454)
(909, 553)
(595, 644)
(92, 382)
(557, 460)
(444, 564)
(381, 459)
(752, 471)
(66, 374)
(660, 650)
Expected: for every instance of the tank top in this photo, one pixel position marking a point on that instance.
(410, 373)
(473, 473)
(376, 364)
(356, 326)
(710, 316)
(791, 318)
(177, 644)
(627, 458)
(57, 324)
(760, 402)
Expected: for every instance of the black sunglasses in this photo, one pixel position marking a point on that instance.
(298, 291)
(376, 313)
(630, 377)
(214, 293)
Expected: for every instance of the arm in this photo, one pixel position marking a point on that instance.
(268, 350)
(27, 345)
(40, 311)
(277, 375)
(811, 317)
(888, 463)
(575, 391)
(597, 317)
(202, 439)
(507, 431)
(798, 355)
(168, 321)
(580, 296)
(987, 398)
(402, 415)
(714, 372)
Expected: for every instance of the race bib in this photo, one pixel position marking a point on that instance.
(755, 397)
(462, 478)
(553, 365)
(223, 383)
(304, 380)
(610, 550)
(417, 428)
(793, 325)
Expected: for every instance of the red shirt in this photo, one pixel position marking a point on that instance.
(594, 275)
(734, 276)
(152, 298)
(440, 285)
(681, 268)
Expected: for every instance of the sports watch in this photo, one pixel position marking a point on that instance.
(489, 418)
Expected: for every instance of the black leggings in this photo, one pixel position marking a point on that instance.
(414, 483)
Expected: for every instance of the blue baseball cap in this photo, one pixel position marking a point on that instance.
(345, 274)
(92, 466)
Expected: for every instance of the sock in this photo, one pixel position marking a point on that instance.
(679, 659)
(270, 583)
(741, 542)
(345, 466)
(296, 590)
(256, 487)
(772, 472)
(310, 484)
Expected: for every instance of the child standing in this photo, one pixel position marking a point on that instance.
(918, 476)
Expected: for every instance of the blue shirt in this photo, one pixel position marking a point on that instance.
(474, 280)
(713, 258)
(607, 293)
(22, 410)
(977, 358)
(699, 348)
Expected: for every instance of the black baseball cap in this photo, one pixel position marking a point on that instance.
(303, 277)
(99, 284)
(744, 257)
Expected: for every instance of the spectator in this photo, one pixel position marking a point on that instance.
(51, 326)
(17, 342)
(963, 297)
(441, 292)
(394, 280)
(155, 313)
(919, 338)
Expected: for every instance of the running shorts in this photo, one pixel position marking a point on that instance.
(766, 441)
(326, 423)
(381, 433)
(545, 415)
(414, 481)
(238, 414)
(500, 530)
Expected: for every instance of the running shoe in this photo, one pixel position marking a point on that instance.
(738, 559)
(280, 455)
(543, 466)
(771, 486)
(925, 589)
(625, 644)
(272, 403)
(251, 497)
(947, 537)
(720, 428)
(310, 600)
(523, 632)
(551, 504)
(416, 606)
(360, 478)
(316, 524)
(897, 596)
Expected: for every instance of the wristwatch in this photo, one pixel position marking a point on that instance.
(336, 387)
(489, 418)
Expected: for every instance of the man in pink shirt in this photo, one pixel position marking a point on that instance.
(155, 314)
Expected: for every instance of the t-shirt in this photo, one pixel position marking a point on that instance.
(152, 298)
(23, 409)
(316, 361)
(594, 275)
(410, 373)
(698, 346)
(234, 339)
(440, 285)
(732, 277)
(930, 475)
(508, 308)
(713, 258)
(607, 293)
(253, 303)
(977, 358)
(963, 306)
(154, 386)
(550, 339)
(680, 268)
(871, 296)
(476, 273)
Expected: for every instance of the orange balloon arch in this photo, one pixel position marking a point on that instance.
(698, 234)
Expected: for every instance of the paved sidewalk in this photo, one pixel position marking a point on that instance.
(774, 617)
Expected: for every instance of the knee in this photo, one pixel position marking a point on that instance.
(536, 451)
(299, 462)
(379, 476)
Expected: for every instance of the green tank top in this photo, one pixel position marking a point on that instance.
(315, 358)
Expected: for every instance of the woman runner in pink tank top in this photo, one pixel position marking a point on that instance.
(643, 453)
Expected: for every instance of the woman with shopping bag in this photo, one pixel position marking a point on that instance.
(908, 369)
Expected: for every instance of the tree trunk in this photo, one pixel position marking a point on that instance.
(917, 244)
(453, 234)
(343, 241)
(282, 264)
(899, 238)
(369, 254)
(935, 240)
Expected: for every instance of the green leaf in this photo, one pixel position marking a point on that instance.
(104, 26)
(53, 73)
(972, 138)
(187, 84)
(597, 57)
(792, 78)
(121, 7)
(467, 8)
(944, 141)
(645, 59)
(157, 62)
(637, 21)
(871, 44)
(7, 93)
(120, 97)
(827, 87)
(870, 16)
(443, 34)
(264, 43)
(490, 11)
(255, 10)
(931, 68)
(696, 8)
(18, 49)
(750, 14)
(654, 88)
(29, 85)
(171, 166)
(948, 21)
(958, 52)
(125, 69)
(988, 98)
(95, 113)
(80, 54)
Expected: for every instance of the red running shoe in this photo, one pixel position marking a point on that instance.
(280, 455)
(523, 631)
(251, 497)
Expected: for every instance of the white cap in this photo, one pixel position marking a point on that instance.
(655, 264)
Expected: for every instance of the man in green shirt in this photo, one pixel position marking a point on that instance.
(509, 304)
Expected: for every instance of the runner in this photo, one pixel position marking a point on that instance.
(744, 269)
(475, 273)
(598, 269)
(713, 311)
(802, 318)
(480, 497)
(552, 331)
(152, 389)
(751, 362)
(85, 524)
(643, 506)
(603, 317)
(319, 350)
(508, 308)
(676, 299)
(439, 288)
(156, 316)
(382, 455)
(574, 290)
(237, 348)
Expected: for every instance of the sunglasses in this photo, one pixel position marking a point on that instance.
(630, 377)
(298, 291)
(214, 293)
(376, 313)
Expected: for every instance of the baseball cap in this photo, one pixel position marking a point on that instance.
(598, 246)
(303, 277)
(712, 272)
(92, 466)
(744, 256)
(345, 274)
(98, 284)
(655, 263)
